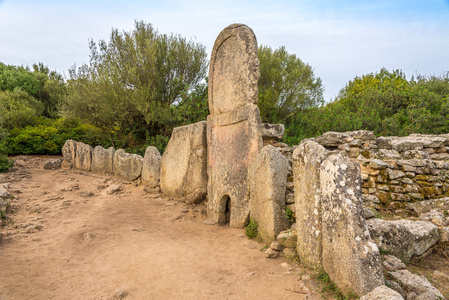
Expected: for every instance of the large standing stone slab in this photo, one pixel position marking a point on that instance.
(233, 128)
(151, 168)
(183, 164)
(350, 257)
(127, 166)
(83, 158)
(307, 159)
(69, 154)
(268, 180)
(102, 160)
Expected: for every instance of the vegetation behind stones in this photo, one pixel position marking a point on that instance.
(141, 84)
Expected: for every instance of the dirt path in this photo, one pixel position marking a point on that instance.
(69, 239)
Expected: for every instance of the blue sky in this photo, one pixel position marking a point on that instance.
(339, 39)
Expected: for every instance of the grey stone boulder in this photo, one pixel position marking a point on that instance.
(403, 238)
(102, 160)
(287, 238)
(421, 207)
(127, 166)
(435, 217)
(392, 263)
(268, 179)
(151, 168)
(333, 139)
(272, 133)
(444, 234)
(83, 157)
(378, 164)
(53, 164)
(350, 257)
(382, 293)
(414, 283)
(69, 154)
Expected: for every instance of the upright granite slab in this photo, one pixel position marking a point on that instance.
(183, 164)
(350, 257)
(83, 157)
(127, 166)
(268, 181)
(151, 168)
(233, 127)
(69, 154)
(307, 159)
(102, 160)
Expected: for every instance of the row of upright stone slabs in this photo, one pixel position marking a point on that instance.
(233, 127)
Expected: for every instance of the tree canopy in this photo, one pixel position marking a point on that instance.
(286, 86)
(132, 81)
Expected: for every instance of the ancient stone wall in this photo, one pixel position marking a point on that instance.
(396, 171)
(112, 162)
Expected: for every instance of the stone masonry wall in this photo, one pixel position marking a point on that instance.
(396, 171)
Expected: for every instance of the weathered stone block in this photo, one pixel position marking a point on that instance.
(69, 154)
(415, 283)
(350, 257)
(272, 133)
(183, 164)
(127, 166)
(102, 160)
(53, 163)
(83, 157)
(382, 293)
(307, 159)
(403, 238)
(151, 167)
(268, 178)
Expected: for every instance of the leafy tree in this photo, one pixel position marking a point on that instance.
(43, 85)
(17, 108)
(384, 102)
(286, 86)
(132, 82)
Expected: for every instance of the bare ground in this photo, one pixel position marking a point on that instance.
(67, 239)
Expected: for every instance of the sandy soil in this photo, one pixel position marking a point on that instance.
(68, 239)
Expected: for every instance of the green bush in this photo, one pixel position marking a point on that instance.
(5, 163)
(252, 229)
(48, 136)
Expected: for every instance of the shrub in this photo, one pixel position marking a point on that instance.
(5, 163)
(252, 229)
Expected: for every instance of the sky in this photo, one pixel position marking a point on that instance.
(340, 39)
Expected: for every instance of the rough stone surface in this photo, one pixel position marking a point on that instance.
(287, 238)
(127, 166)
(102, 160)
(53, 163)
(414, 283)
(382, 293)
(307, 159)
(233, 70)
(350, 257)
(233, 128)
(272, 133)
(69, 154)
(183, 164)
(428, 205)
(83, 158)
(392, 263)
(444, 234)
(435, 217)
(403, 238)
(268, 179)
(151, 168)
